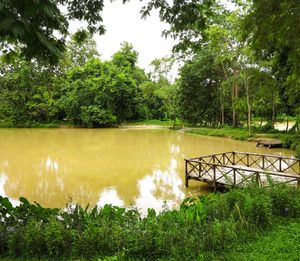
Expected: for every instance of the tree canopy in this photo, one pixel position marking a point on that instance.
(38, 28)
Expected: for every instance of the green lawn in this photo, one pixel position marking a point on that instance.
(280, 243)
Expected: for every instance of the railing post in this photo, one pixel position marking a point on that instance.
(215, 183)
(280, 165)
(233, 158)
(248, 160)
(200, 168)
(234, 177)
(186, 174)
(263, 162)
(257, 178)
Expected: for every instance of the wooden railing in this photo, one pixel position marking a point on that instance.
(239, 168)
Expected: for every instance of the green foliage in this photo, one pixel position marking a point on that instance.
(202, 227)
(160, 95)
(38, 29)
(292, 141)
(187, 20)
(81, 49)
(27, 95)
(83, 91)
(198, 90)
(101, 93)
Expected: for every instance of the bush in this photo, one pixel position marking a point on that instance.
(201, 226)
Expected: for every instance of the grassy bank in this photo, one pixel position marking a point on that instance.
(155, 122)
(30, 125)
(234, 133)
(282, 242)
(215, 226)
(290, 140)
(58, 124)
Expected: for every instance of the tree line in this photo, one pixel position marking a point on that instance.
(238, 63)
(241, 62)
(82, 89)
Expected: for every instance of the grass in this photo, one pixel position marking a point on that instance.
(282, 242)
(168, 123)
(234, 133)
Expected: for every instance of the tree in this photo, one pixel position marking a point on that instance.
(27, 95)
(92, 93)
(273, 29)
(160, 94)
(187, 19)
(81, 51)
(198, 90)
(126, 85)
(39, 29)
(100, 93)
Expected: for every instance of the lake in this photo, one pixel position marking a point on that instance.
(125, 167)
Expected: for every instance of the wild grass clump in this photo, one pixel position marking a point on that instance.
(202, 226)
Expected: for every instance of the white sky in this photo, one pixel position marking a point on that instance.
(124, 23)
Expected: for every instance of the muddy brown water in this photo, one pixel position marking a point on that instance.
(124, 167)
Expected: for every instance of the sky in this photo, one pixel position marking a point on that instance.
(124, 23)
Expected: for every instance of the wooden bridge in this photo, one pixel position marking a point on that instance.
(238, 169)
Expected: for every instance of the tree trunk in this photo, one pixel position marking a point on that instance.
(248, 104)
(222, 98)
(273, 110)
(235, 95)
(233, 105)
(297, 124)
(287, 123)
(222, 109)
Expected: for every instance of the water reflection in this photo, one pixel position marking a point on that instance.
(162, 187)
(3, 180)
(99, 166)
(51, 165)
(110, 196)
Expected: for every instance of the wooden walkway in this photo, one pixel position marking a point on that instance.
(238, 169)
(270, 144)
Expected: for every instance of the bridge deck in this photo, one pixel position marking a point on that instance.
(242, 177)
(267, 168)
(270, 144)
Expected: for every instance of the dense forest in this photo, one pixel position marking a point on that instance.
(83, 90)
(236, 66)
